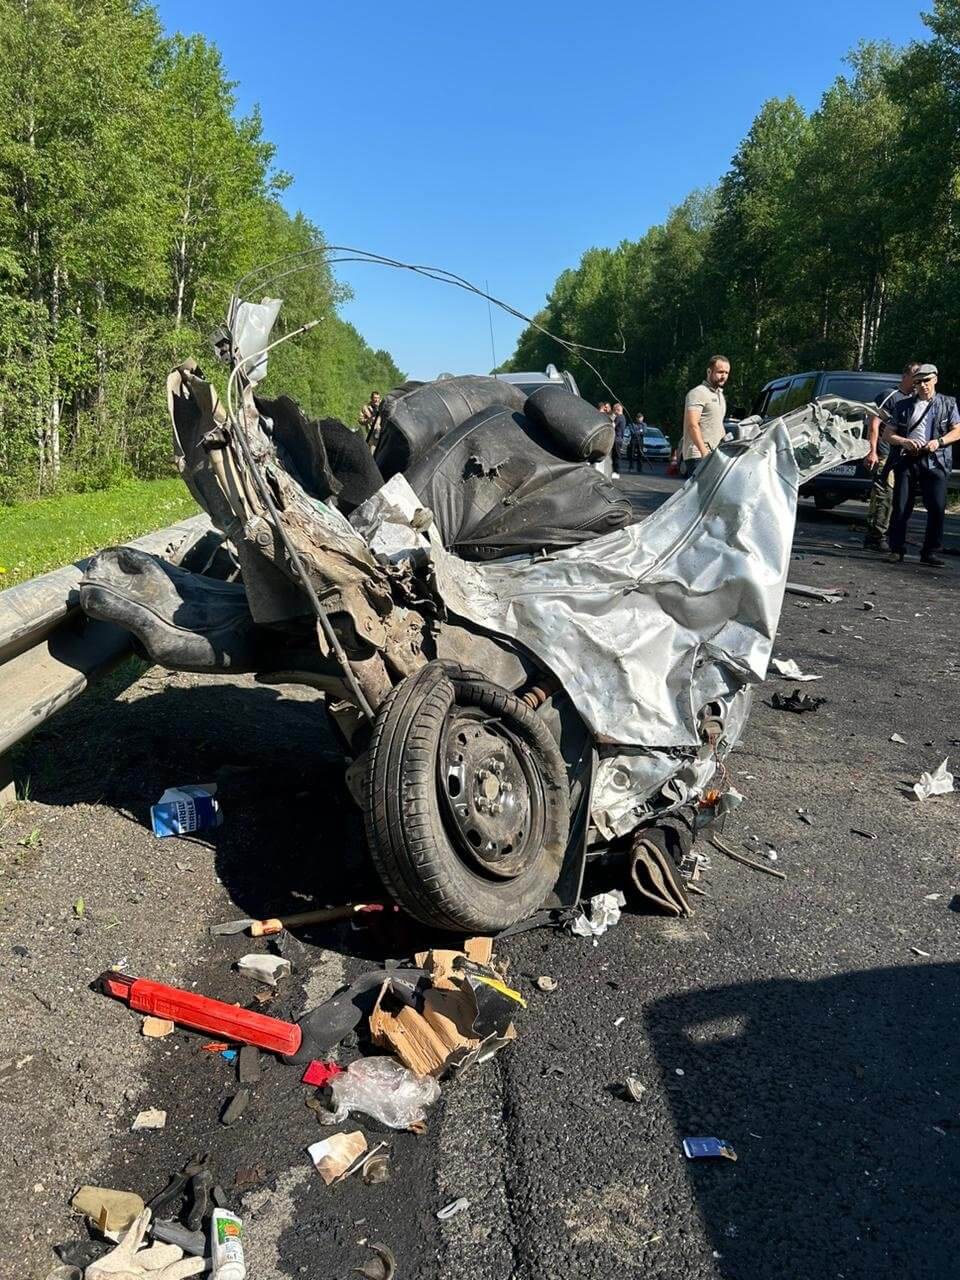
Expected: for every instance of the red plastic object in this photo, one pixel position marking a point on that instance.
(203, 1014)
(321, 1073)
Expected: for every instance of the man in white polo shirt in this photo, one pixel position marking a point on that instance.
(703, 413)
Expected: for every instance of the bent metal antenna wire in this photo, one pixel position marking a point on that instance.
(262, 278)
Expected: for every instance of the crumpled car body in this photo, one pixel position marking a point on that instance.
(521, 674)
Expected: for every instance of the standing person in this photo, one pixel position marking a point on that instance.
(619, 435)
(925, 425)
(703, 413)
(370, 419)
(636, 442)
(881, 491)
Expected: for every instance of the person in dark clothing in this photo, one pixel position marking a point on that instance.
(925, 425)
(636, 442)
(620, 434)
(881, 491)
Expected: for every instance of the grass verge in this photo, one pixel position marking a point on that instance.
(38, 536)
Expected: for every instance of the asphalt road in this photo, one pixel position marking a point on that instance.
(811, 1022)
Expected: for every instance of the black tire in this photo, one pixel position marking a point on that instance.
(410, 843)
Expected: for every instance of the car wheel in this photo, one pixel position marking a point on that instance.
(467, 803)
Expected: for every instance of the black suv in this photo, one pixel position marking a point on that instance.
(852, 480)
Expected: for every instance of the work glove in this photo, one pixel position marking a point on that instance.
(159, 1262)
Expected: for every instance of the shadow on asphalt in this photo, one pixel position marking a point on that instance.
(765, 1062)
(292, 838)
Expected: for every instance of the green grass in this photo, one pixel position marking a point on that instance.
(42, 535)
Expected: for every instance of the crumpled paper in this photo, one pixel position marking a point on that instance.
(264, 967)
(938, 783)
(604, 913)
(787, 669)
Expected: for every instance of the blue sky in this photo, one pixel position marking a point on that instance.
(502, 140)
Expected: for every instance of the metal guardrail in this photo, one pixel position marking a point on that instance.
(50, 652)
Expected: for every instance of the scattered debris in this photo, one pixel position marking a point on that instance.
(546, 983)
(932, 897)
(868, 606)
(747, 862)
(228, 1055)
(226, 1245)
(805, 816)
(382, 1088)
(156, 1028)
(451, 1210)
(152, 1118)
(796, 701)
(457, 1012)
(276, 924)
(938, 783)
(707, 1148)
(248, 1066)
(787, 669)
(895, 737)
(235, 1107)
(382, 1266)
(954, 903)
(604, 913)
(265, 968)
(827, 595)
(249, 1176)
(171, 1232)
(867, 835)
(79, 908)
(321, 1073)
(195, 1180)
(634, 1088)
(108, 1210)
(129, 1262)
(376, 1167)
(333, 1156)
(181, 810)
(917, 952)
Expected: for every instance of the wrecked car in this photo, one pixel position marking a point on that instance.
(520, 673)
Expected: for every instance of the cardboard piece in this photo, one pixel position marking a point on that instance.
(443, 1035)
(334, 1156)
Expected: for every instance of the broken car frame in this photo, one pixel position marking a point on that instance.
(519, 675)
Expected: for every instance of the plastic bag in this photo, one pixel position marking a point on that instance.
(382, 1088)
(938, 783)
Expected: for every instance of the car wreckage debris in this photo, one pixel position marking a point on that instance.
(478, 530)
(382, 1266)
(707, 1149)
(937, 783)
(796, 701)
(747, 862)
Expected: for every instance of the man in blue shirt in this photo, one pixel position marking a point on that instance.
(881, 491)
(924, 427)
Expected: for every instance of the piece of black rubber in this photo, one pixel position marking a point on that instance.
(411, 849)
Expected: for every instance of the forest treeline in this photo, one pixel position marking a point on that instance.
(132, 198)
(833, 241)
